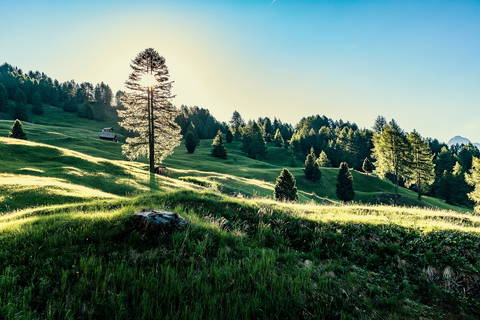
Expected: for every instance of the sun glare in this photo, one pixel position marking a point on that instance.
(148, 81)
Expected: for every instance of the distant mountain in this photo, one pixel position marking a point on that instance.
(461, 140)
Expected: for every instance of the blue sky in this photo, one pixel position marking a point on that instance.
(415, 61)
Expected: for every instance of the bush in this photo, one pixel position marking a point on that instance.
(285, 187)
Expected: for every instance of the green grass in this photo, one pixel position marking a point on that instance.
(34, 174)
(70, 247)
(256, 178)
(236, 175)
(239, 258)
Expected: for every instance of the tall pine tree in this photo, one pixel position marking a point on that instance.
(420, 169)
(391, 153)
(149, 113)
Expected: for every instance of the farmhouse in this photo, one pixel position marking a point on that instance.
(108, 134)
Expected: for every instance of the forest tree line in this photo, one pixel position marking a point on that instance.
(23, 93)
(421, 164)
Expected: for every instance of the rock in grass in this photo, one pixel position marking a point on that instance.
(160, 221)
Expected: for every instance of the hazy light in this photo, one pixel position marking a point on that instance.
(148, 81)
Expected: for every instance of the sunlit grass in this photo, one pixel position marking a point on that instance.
(248, 254)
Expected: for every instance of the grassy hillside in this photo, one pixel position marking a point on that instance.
(71, 249)
(34, 174)
(239, 258)
(236, 175)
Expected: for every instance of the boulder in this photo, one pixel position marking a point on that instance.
(158, 220)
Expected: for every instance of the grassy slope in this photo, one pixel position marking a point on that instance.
(64, 257)
(238, 174)
(239, 258)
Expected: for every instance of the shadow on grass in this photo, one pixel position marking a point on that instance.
(236, 259)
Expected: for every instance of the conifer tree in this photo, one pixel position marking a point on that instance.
(253, 142)
(3, 98)
(379, 124)
(229, 136)
(285, 187)
(236, 122)
(420, 169)
(17, 131)
(218, 149)
(323, 160)
(312, 171)
(445, 188)
(460, 195)
(367, 166)
(278, 139)
(191, 139)
(473, 179)
(345, 190)
(391, 153)
(148, 113)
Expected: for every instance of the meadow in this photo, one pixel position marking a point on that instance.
(70, 247)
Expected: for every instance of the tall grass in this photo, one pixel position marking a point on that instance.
(238, 258)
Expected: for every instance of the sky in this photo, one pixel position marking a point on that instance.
(415, 61)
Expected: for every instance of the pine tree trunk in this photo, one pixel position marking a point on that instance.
(396, 186)
(419, 191)
(151, 133)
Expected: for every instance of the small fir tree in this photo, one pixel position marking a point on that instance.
(312, 171)
(191, 141)
(285, 187)
(345, 183)
(218, 149)
(17, 131)
(323, 160)
(278, 139)
(367, 166)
